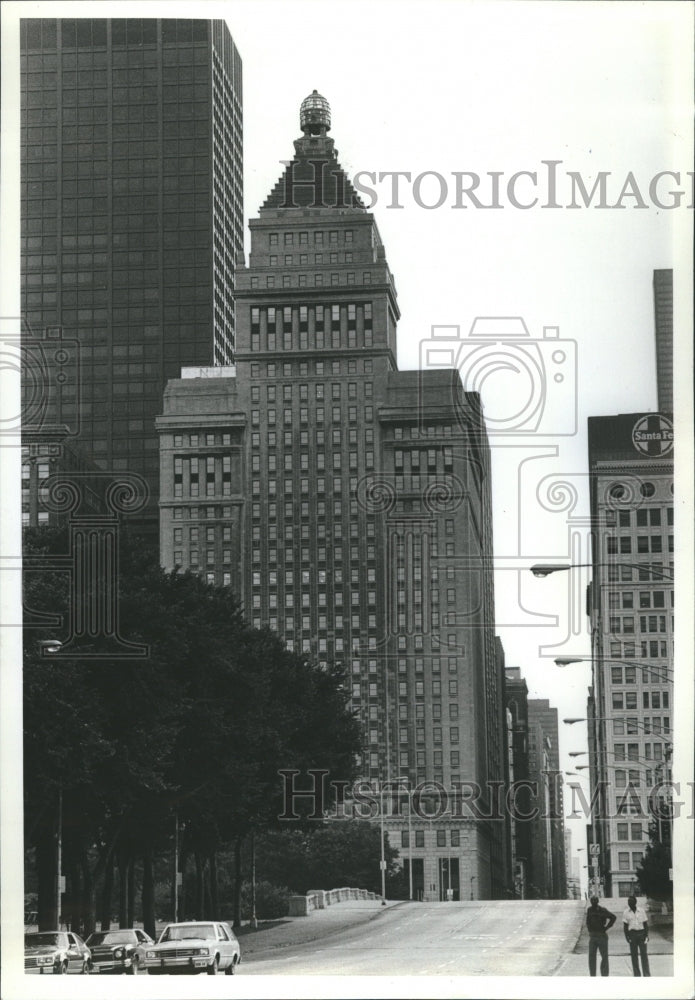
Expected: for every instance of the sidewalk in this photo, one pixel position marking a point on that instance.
(659, 948)
(273, 934)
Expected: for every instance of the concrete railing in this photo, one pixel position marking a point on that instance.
(320, 899)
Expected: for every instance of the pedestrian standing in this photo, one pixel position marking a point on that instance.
(599, 921)
(636, 927)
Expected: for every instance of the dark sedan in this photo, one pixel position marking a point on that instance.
(56, 953)
(118, 951)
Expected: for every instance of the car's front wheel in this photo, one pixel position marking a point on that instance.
(62, 968)
(214, 968)
(231, 968)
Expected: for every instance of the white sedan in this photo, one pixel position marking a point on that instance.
(197, 946)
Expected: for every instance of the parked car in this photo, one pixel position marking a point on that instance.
(56, 953)
(196, 946)
(118, 951)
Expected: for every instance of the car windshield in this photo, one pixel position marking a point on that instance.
(45, 938)
(112, 937)
(183, 932)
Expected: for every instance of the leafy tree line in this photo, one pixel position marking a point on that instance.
(119, 753)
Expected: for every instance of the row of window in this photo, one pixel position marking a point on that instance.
(320, 415)
(642, 517)
(651, 751)
(645, 572)
(650, 699)
(320, 391)
(628, 650)
(630, 727)
(624, 862)
(201, 513)
(647, 599)
(318, 238)
(647, 623)
(320, 368)
(302, 281)
(302, 259)
(644, 543)
(628, 675)
(209, 440)
(288, 440)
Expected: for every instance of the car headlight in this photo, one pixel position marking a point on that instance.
(203, 951)
(150, 954)
(46, 959)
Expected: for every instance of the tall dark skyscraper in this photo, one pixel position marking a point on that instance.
(132, 217)
(348, 504)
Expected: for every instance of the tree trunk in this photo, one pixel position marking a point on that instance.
(122, 889)
(73, 899)
(130, 909)
(183, 902)
(106, 893)
(148, 892)
(46, 861)
(89, 896)
(214, 893)
(237, 882)
(199, 886)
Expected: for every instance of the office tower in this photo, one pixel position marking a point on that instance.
(631, 606)
(663, 337)
(521, 829)
(350, 504)
(548, 836)
(131, 221)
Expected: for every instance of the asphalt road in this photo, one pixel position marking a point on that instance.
(450, 939)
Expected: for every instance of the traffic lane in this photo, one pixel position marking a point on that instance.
(480, 938)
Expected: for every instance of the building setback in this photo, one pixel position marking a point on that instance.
(348, 504)
(132, 217)
(631, 607)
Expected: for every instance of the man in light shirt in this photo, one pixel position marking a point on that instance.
(636, 930)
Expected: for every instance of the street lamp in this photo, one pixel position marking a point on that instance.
(50, 646)
(545, 569)
(566, 661)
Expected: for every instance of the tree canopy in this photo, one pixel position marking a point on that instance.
(200, 728)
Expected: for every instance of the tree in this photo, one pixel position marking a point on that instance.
(654, 869)
(327, 855)
(200, 729)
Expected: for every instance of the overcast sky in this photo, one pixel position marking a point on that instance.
(441, 88)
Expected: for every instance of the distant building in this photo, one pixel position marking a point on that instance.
(520, 829)
(663, 338)
(548, 841)
(131, 215)
(349, 505)
(631, 703)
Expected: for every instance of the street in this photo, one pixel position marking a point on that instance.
(450, 939)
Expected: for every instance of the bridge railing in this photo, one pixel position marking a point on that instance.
(320, 899)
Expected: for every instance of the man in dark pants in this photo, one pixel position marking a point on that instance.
(636, 928)
(598, 922)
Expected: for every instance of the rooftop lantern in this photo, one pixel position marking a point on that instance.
(315, 114)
